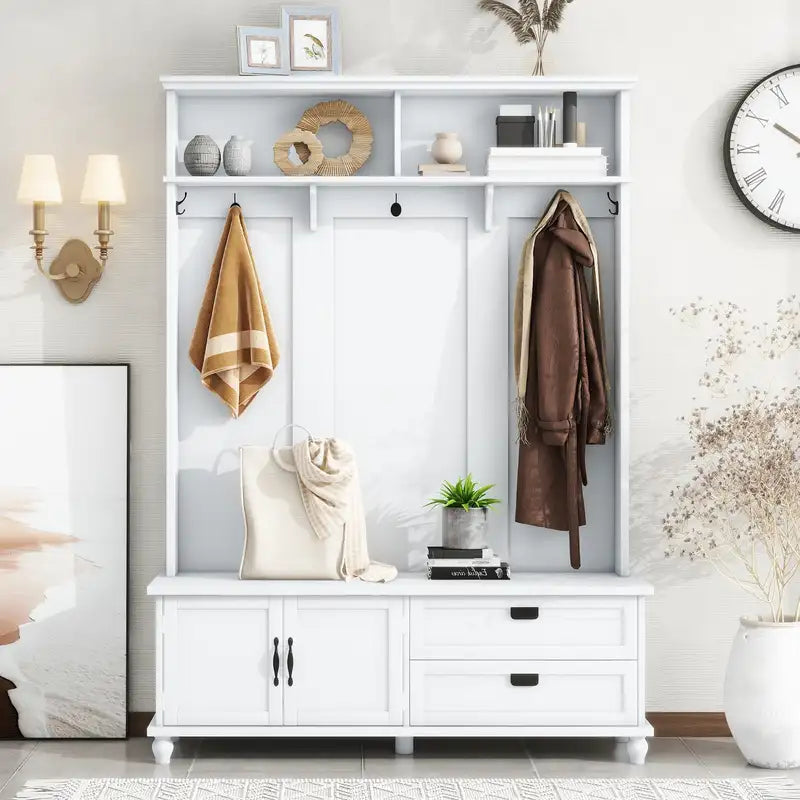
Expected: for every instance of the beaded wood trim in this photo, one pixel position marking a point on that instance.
(358, 125)
(311, 148)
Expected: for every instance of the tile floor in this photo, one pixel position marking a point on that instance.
(688, 758)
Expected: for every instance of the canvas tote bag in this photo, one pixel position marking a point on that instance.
(279, 542)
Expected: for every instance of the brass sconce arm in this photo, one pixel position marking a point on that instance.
(39, 232)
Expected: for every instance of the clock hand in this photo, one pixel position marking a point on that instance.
(786, 132)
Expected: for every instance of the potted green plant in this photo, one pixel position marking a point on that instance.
(464, 506)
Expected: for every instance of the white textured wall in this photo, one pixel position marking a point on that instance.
(81, 77)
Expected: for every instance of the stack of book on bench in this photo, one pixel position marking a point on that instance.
(451, 563)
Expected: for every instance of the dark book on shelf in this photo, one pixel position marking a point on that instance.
(460, 552)
(501, 573)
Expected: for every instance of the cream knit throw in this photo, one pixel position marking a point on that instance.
(327, 477)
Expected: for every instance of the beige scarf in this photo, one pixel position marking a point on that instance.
(233, 345)
(328, 480)
(523, 302)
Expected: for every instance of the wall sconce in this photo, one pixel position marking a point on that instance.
(75, 270)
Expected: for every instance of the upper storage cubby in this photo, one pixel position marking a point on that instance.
(405, 113)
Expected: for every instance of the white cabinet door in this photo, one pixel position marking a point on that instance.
(218, 661)
(346, 661)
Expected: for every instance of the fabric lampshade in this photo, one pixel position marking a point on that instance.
(103, 181)
(39, 180)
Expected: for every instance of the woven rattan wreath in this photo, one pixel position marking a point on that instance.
(312, 150)
(358, 125)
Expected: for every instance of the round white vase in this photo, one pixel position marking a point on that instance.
(762, 692)
(447, 149)
(237, 157)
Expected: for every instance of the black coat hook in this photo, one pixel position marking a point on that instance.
(615, 203)
(179, 203)
(396, 208)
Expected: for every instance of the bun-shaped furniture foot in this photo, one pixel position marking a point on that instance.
(637, 750)
(162, 750)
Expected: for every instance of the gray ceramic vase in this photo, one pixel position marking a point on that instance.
(237, 158)
(467, 529)
(201, 156)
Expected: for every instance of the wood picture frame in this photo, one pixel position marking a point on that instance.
(314, 38)
(262, 51)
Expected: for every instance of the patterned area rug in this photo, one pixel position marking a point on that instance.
(412, 789)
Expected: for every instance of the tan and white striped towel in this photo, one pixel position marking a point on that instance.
(328, 480)
(234, 345)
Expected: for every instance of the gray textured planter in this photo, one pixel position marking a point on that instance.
(464, 528)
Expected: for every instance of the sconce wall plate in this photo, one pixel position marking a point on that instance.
(76, 270)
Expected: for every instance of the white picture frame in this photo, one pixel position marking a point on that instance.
(314, 38)
(262, 51)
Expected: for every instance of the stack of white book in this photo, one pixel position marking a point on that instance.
(543, 162)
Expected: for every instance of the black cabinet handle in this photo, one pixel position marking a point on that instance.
(276, 661)
(519, 679)
(524, 612)
(290, 661)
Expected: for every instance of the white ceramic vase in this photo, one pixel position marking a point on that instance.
(237, 157)
(762, 692)
(447, 149)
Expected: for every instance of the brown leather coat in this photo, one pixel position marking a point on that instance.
(566, 393)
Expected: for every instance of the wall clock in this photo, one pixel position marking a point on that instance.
(762, 149)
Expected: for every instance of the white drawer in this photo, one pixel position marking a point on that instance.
(523, 628)
(523, 693)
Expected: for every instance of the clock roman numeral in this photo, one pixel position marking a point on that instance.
(755, 179)
(777, 202)
(753, 149)
(779, 93)
(762, 120)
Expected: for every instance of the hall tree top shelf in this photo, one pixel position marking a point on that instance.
(386, 86)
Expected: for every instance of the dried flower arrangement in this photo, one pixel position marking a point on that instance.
(531, 23)
(740, 510)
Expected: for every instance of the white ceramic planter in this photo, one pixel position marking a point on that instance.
(762, 692)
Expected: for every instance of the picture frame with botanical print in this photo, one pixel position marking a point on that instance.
(262, 51)
(314, 38)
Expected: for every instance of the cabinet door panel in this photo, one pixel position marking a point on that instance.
(218, 662)
(348, 667)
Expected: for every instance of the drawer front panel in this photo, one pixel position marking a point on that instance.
(524, 693)
(523, 628)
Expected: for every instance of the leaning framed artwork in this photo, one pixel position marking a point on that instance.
(262, 51)
(314, 38)
(64, 550)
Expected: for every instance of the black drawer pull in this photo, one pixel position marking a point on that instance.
(276, 662)
(524, 612)
(290, 661)
(519, 679)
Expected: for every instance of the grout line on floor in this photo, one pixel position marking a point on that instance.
(530, 758)
(692, 753)
(363, 760)
(19, 767)
(195, 752)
